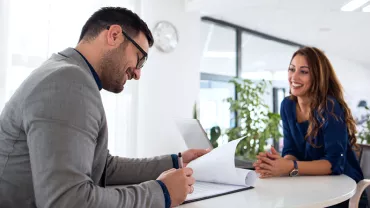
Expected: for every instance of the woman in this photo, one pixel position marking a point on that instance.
(319, 130)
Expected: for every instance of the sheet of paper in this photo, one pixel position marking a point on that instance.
(203, 189)
(218, 166)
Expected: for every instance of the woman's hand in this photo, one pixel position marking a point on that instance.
(272, 164)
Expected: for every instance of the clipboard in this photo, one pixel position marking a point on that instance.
(217, 195)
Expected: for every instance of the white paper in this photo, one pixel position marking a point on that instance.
(218, 166)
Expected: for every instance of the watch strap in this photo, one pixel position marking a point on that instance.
(295, 164)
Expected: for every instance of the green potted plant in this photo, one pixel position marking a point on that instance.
(257, 123)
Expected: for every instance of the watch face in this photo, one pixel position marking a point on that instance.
(165, 36)
(294, 172)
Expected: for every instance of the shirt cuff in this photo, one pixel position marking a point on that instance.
(167, 197)
(175, 161)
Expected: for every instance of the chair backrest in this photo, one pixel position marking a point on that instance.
(364, 159)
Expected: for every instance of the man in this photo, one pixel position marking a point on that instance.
(53, 131)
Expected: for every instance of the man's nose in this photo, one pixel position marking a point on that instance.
(137, 74)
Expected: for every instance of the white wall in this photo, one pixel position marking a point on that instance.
(3, 50)
(355, 79)
(170, 82)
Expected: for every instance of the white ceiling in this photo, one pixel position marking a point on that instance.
(317, 23)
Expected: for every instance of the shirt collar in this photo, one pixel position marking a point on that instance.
(95, 75)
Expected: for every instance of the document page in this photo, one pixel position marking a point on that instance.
(215, 173)
(218, 166)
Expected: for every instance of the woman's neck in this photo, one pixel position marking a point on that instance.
(304, 104)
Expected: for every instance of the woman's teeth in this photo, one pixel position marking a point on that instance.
(295, 85)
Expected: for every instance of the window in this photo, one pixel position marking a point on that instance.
(231, 51)
(265, 59)
(214, 110)
(219, 54)
(212, 101)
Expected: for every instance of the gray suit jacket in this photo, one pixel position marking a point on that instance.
(53, 145)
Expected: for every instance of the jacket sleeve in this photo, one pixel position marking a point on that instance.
(335, 136)
(121, 171)
(62, 124)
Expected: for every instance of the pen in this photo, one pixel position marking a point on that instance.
(181, 164)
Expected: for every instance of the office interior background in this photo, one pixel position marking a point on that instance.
(218, 40)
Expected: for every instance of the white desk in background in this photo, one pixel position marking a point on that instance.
(302, 191)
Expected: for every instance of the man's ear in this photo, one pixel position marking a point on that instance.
(114, 35)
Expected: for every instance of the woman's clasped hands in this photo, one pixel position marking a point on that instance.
(271, 164)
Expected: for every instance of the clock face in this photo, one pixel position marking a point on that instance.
(165, 36)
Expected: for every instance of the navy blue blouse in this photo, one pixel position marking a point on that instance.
(331, 141)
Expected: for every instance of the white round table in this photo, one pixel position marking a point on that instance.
(302, 191)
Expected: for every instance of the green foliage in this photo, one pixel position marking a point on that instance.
(215, 133)
(257, 123)
(364, 134)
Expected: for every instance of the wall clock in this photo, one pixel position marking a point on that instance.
(165, 36)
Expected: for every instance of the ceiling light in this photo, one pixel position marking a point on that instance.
(366, 9)
(353, 5)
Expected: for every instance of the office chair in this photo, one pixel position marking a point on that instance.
(364, 160)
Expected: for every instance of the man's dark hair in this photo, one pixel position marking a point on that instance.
(130, 22)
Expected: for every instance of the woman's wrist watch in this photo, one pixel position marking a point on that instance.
(294, 172)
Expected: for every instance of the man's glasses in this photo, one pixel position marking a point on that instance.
(140, 61)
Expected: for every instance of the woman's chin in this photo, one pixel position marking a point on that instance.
(297, 93)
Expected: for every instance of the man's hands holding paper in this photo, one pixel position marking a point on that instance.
(272, 164)
(192, 154)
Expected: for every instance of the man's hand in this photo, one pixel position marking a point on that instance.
(179, 183)
(193, 154)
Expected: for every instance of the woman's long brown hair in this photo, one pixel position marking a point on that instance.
(324, 83)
